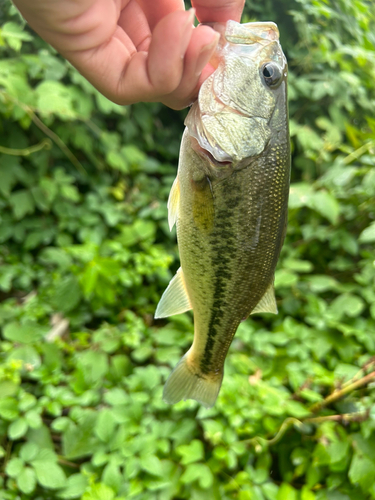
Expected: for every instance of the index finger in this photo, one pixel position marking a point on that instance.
(156, 10)
(208, 11)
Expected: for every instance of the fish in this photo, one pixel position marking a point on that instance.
(229, 202)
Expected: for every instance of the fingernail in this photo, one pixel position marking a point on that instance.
(205, 54)
(186, 31)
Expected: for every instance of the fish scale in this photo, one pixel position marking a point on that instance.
(230, 214)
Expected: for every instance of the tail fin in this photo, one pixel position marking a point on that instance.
(183, 383)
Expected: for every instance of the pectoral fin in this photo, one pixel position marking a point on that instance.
(175, 299)
(267, 303)
(173, 203)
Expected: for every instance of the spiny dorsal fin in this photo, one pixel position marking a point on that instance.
(175, 299)
(173, 203)
(267, 303)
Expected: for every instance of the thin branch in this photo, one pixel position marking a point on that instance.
(345, 418)
(47, 131)
(44, 144)
(69, 464)
(56, 139)
(358, 152)
(259, 443)
(338, 394)
(360, 373)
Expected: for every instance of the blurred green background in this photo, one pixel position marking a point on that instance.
(85, 254)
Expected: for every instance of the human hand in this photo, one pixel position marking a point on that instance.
(134, 50)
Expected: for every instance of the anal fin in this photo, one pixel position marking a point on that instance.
(173, 203)
(267, 303)
(175, 299)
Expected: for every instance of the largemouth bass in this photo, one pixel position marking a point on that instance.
(229, 202)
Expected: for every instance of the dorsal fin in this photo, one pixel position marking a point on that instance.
(175, 299)
(267, 303)
(173, 203)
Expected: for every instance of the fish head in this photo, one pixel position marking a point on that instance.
(243, 101)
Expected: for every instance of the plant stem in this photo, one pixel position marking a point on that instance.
(44, 144)
(338, 394)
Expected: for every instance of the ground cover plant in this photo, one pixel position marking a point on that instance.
(85, 253)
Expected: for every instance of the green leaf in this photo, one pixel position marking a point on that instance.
(300, 195)
(67, 294)
(17, 428)
(29, 451)
(94, 366)
(27, 401)
(139, 231)
(286, 492)
(112, 476)
(320, 283)
(22, 203)
(327, 205)
(41, 437)
(8, 408)
(198, 472)
(15, 35)
(269, 490)
(26, 481)
(14, 467)
(78, 440)
(307, 494)
(296, 409)
(50, 475)
(133, 155)
(309, 139)
(284, 278)
(192, 452)
(8, 175)
(362, 471)
(24, 333)
(54, 98)
(99, 492)
(368, 234)
(33, 418)
(26, 353)
(105, 425)
(348, 304)
(117, 161)
(75, 487)
(299, 266)
(152, 465)
(7, 388)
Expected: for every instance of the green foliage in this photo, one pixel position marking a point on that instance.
(86, 252)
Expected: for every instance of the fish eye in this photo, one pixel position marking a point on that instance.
(272, 74)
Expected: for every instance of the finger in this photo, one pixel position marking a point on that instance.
(125, 76)
(155, 11)
(72, 25)
(196, 68)
(170, 40)
(209, 11)
(135, 24)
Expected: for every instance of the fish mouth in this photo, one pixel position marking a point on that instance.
(208, 155)
(246, 33)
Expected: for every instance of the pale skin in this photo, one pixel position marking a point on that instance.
(134, 50)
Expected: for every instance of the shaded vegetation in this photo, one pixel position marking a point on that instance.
(85, 254)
